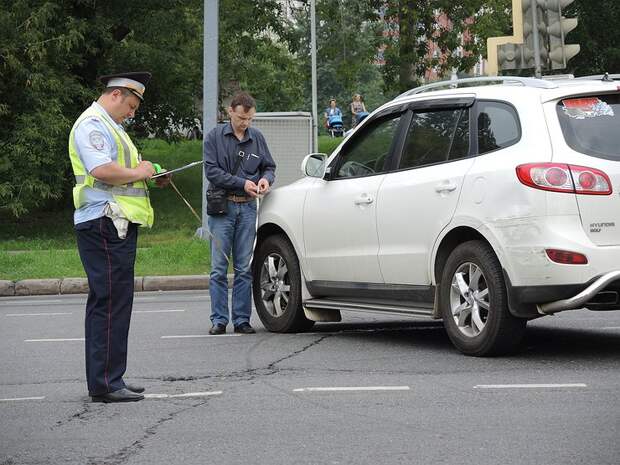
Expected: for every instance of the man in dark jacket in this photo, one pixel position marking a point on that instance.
(226, 147)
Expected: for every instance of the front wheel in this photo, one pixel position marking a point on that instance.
(474, 304)
(277, 286)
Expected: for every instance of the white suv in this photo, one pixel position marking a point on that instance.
(485, 202)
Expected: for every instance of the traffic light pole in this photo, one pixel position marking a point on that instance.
(536, 39)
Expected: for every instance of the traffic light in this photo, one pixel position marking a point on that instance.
(532, 53)
(538, 40)
(557, 28)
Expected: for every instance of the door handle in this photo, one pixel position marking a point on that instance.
(364, 200)
(445, 187)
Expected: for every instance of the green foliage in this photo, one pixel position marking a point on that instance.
(598, 35)
(254, 55)
(51, 53)
(407, 53)
(348, 37)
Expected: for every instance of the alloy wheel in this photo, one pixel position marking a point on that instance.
(275, 284)
(469, 299)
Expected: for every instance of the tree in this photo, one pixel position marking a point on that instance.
(598, 36)
(347, 46)
(254, 55)
(51, 53)
(421, 22)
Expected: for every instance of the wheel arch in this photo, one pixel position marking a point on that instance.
(463, 234)
(449, 242)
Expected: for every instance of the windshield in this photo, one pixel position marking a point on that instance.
(591, 124)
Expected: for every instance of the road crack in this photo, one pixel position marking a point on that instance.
(138, 445)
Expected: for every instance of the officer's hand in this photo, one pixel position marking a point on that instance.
(250, 188)
(145, 169)
(163, 181)
(263, 186)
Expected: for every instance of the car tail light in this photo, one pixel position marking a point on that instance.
(558, 177)
(566, 257)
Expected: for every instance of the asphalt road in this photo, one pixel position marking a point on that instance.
(370, 390)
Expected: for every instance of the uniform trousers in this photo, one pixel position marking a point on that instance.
(109, 264)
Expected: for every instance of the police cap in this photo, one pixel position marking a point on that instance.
(135, 82)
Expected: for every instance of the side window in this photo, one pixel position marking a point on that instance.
(498, 126)
(434, 136)
(365, 154)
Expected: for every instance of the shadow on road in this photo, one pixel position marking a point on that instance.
(559, 343)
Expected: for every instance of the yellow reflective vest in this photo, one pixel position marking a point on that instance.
(132, 198)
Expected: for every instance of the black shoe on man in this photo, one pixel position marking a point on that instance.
(217, 330)
(244, 328)
(122, 395)
(135, 388)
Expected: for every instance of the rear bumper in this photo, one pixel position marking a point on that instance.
(602, 294)
(599, 293)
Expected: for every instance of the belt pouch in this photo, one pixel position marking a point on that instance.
(217, 203)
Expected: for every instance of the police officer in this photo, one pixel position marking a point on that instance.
(111, 201)
(236, 158)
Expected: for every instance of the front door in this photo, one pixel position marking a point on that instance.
(340, 216)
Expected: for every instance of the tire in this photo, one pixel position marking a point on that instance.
(277, 286)
(474, 304)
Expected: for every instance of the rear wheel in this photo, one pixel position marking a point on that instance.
(277, 286)
(474, 303)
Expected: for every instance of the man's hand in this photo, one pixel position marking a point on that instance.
(263, 186)
(145, 169)
(251, 188)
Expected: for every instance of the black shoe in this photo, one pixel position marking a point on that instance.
(217, 329)
(134, 388)
(122, 395)
(244, 328)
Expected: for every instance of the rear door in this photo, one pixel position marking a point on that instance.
(590, 137)
(418, 199)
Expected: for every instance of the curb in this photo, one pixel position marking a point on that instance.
(80, 285)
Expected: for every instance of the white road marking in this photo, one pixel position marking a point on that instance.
(610, 327)
(38, 314)
(11, 303)
(529, 386)
(186, 336)
(55, 340)
(187, 394)
(352, 388)
(157, 311)
(22, 398)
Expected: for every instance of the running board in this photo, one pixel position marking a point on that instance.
(328, 304)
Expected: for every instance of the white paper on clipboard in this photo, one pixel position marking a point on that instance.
(189, 165)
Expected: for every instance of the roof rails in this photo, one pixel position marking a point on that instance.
(602, 77)
(454, 84)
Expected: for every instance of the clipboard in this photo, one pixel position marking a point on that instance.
(189, 165)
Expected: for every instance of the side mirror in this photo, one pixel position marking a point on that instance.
(314, 165)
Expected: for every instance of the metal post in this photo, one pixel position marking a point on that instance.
(315, 119)
(209, 90)
(537, 68)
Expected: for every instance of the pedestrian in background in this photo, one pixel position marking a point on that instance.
(238, 161)
(331, 111)
(111, 201)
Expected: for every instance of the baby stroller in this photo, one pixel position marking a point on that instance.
(335, 126)
(360, 117)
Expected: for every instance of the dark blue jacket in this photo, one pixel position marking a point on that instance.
(220, 151)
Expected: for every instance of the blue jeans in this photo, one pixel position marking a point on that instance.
(233, 232)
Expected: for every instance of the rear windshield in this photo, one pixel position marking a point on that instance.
(591, 124)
